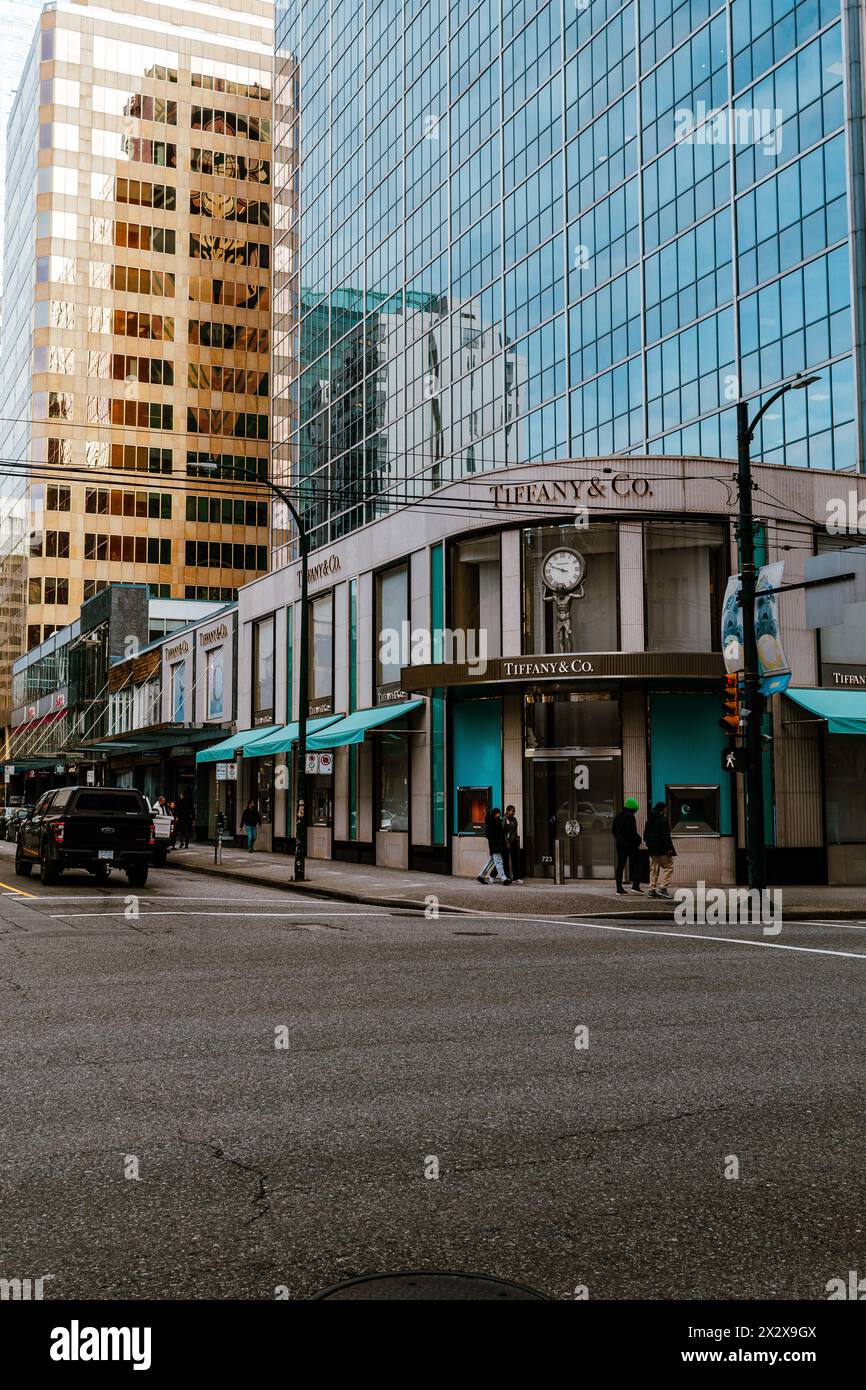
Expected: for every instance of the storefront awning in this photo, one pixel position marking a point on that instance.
(353, 728)
(282, 740)
(844, 710)
(228, 750)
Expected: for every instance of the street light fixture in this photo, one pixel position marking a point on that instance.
(753, 700)
(303, 677)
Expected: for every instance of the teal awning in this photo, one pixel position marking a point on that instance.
(281, 740)
(227, 751)
(353, 728)
(844, 710)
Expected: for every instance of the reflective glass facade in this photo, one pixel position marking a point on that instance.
(17, 22)
(511, 231)
(137, 335)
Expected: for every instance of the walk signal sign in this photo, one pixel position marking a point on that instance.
(735, 759)
(730, 720)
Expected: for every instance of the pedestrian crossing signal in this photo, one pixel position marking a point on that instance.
(735, 759)
(730, 720)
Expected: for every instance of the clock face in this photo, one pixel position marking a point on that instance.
(563, 569)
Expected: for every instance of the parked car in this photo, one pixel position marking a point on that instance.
(16, 817)
(92, 828)
(164, 828)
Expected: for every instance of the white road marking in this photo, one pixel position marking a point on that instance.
(196, 913)
(143, 898)
(818, 922)
(694, 936)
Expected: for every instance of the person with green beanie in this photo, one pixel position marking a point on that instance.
(626, 838)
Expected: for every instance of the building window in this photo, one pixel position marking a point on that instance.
(844, 644)
(393, 784)
(570, 589)
(686, 571)
(476, 609)
(392, 611)
(263, 669)
(844, 778)
(178, 692)
(215, 679)
(322, 647)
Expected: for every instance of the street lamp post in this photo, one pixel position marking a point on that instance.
(753, 700)
(303, 693)
(303, 682)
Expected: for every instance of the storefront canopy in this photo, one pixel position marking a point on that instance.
(227, 751)
(353, 728)
(282, 739)
(844, 710)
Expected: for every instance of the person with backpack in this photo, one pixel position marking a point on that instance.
(626, 838)
(658, 840)
(495, 832)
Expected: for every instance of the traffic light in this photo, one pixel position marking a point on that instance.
(730, 720)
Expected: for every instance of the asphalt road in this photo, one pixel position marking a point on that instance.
(138, 1036)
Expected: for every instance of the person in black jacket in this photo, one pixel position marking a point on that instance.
(185, 819)
(496, 845)
(250, 821)
(512, 843)
(627, 843)
(657, 838)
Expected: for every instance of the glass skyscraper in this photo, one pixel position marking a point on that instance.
(137, 334)
(527, 231)
(17, 22)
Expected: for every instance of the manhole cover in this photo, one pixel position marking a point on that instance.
(401, 1287)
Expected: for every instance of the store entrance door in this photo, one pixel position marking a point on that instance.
(574, 793)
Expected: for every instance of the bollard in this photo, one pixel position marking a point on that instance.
(557, 861)
(218, 848)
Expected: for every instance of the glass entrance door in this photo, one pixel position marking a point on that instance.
(573, 799)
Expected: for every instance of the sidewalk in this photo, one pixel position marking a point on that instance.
(360, 883)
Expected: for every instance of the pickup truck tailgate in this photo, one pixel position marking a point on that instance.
(113, 822)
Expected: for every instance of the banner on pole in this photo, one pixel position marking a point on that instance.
(773, 665)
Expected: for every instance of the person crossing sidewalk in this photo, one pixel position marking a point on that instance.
(657, 838)
(497, 847)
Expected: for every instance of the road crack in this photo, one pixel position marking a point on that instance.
(260, 1199)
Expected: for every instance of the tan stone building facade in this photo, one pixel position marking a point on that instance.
(442, 687)
(135, 386)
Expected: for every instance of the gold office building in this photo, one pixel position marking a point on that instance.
(136, 336)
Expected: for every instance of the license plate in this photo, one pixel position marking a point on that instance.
(106, 853)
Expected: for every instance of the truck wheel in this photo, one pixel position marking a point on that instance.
(23, 868)
(137, 876)
(48, 871)
(100, 873)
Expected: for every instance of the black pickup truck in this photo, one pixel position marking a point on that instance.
(93, 828)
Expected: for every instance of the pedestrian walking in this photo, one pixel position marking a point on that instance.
(251, 820)
(185, 819)
(658, 840)
(172, 811)
(512, 844)
(495, 832)
(627, 843)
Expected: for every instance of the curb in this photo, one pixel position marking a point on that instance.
(837, 914)
(340, 895)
